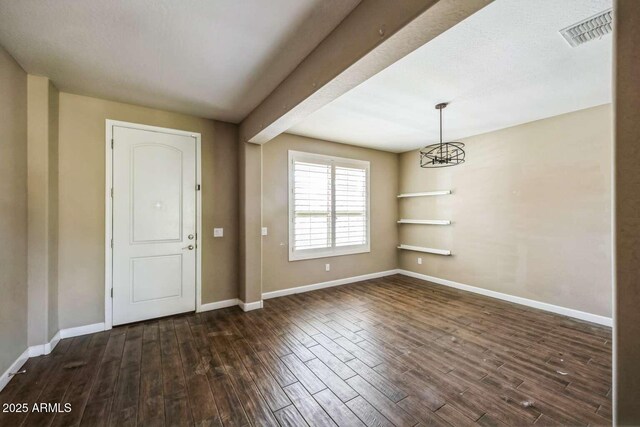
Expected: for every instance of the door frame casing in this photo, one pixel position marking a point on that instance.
(108, 250)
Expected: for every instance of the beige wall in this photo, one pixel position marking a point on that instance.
(626, 394)
(81, 212)
(280, 273)
(220, 208)
(250, 177)
(52, 232)
(531, 212)
(42, 202)
(13, 210)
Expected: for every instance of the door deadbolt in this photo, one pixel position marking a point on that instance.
(190, 236)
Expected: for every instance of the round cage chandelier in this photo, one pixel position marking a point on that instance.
(442, 154)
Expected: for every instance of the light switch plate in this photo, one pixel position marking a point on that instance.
(419, 260)
(327, 267)
(218, 232)
(265, 231)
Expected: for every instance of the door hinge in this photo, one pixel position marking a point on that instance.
(112, 143)
(197, 187)
(111, 292)
(112, 243)
(112, 192)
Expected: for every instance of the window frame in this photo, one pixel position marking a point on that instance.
(332, 251)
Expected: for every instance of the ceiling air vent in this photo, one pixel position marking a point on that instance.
(589, 29)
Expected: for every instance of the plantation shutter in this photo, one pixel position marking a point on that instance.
(312, 205)
(350, 206)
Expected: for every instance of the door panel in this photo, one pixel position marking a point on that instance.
(154, 224)
(157, 197)
(154, 278)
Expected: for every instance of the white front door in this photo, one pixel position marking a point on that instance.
(154, 224)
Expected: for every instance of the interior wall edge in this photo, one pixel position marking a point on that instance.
(13, 211)
(626, 345)
(37, 209)
(42, 209)
(46, 348)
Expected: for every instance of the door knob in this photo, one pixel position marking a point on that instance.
(190, 247)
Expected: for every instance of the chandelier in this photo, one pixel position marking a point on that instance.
(442, 154)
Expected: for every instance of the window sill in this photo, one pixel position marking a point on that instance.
(311, 254)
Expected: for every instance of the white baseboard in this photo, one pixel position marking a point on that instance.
(329, 284)
(589, 317)
(48, 348)
(230, 303)
(44, 349)
(36, 350)
(82, 330)
(15, 366)
(218, 305)
(248, 306)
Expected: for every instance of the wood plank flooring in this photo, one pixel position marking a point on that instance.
(394, 351)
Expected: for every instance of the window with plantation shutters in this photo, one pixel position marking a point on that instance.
(350, 206)
(312, 205)
(328, 206)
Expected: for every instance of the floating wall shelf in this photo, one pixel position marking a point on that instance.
(427, 250)
(426, 193)
(425, 221)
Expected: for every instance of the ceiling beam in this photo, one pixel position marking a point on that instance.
(373, 36)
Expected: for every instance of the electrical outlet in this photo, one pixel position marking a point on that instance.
(218, 232)
(327, 267)
(419, 260)
(265, 231)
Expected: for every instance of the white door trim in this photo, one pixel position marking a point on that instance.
(108, 259)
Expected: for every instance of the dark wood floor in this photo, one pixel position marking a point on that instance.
(391, 351)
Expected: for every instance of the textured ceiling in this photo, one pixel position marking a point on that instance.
(505, 65)
(210, 58)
